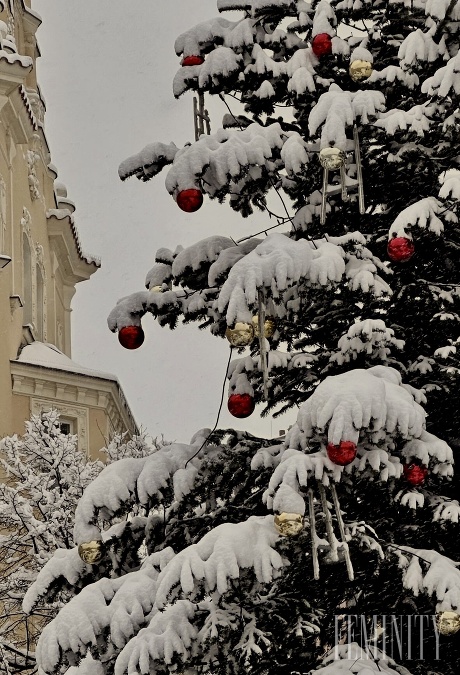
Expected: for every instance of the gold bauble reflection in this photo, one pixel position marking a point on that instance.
(289, 524)
(90, 552)
(448, 623)
(269, 326)
(332, 158)
(360, 70)
(240, 335)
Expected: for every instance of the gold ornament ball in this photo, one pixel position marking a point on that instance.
(360, 70)
(240, 335)
(332, 158)
(448, 623)
(156, 289)
(289, 524)
(269, 326)
(90, 552)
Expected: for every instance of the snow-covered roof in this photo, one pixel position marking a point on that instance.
(48, 356)
(60, 214)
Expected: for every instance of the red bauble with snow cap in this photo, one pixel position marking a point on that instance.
(241, 405)
(131, 337)
(193, 60)
(321, 45)
(190, 200)
(400, 249)
(341, 454)
(415, 474)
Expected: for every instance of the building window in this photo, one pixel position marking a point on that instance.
(33, 281)
(40, 304)
(66, 426)
(27, 281)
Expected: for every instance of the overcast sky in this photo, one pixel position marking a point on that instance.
(106, 75)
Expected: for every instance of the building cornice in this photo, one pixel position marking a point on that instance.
(58, 385)
(64, 239)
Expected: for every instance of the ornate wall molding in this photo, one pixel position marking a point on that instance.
(26, 221)
(32, 158)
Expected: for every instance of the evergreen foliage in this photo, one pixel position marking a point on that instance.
(366, 347)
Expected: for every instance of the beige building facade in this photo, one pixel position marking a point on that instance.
(41, 262)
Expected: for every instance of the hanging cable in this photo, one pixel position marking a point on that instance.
(218, 412)
(289, 217)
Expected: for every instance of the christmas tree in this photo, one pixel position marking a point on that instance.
(297, 554)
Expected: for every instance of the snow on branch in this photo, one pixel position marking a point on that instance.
(338, 110)
(64, 563)
(176, 632)
(226, 5)
(205, 251)
(276, 264)
(446, 81)
(361, 269)
(218, 557)
(423, 214)
(419, 47)
(416, 119)
(361, 401)
(438, 9)
(170, 632)
(203, 35)
(118, 607)
(301, 71)
(161, 273)
(65, 569)
(394, 74)
(371, 408)
(228, 257)
(429, 449)
(367, 336)
(221, 63)
(131, 481)
(446, 509)
(148, 162)
(129, 310)
(427, 571)
(87, 666)
(224, 156)
(351, 659)
(450, 185)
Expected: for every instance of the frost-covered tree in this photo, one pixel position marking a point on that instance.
(345, 132)
(42, 477)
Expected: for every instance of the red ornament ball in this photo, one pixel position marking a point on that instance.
(415, 474)
(341, 454)
(400, 249)
(322, 44)
(194, 60)
(241, 405)
(190, 200)
(131, 337)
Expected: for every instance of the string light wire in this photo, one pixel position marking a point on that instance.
(218, 412)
